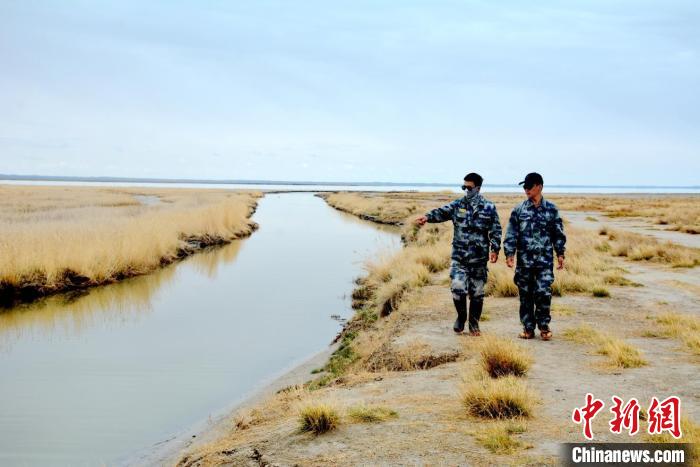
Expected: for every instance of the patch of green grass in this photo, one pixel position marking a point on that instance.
(338, 362)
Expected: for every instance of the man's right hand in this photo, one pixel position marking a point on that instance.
(510, 261)
(420, 220)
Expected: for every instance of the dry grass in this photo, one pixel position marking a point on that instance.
(638, 247)
(619, 353)
(683, 327)
(678, 212)
(371, 414)
(375, 208)
(588, 265)
(318, 418)
(500, 357)
(499, 438)
(57, 238)
(416, 355)
(506, 397)
(562, 310)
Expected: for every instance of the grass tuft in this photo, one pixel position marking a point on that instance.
(318, 418)
(371, 414)
(501, 357)
(499, 438)
(506, 397)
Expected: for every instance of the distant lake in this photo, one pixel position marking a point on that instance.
(408, 187)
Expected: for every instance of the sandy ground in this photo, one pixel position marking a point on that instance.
(638, 225)
(432, 427)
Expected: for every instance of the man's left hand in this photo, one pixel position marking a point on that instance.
(493, 257)
(560, 262)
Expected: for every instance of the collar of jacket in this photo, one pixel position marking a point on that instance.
(529, 204)
(478, 204)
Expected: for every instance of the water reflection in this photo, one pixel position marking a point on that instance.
(111, 305)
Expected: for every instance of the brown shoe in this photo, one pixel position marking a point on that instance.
(527, 334)
(475, 333)
(546, 335)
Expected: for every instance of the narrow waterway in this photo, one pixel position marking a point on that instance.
(88, 379)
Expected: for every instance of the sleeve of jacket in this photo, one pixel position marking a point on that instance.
(441, 214)
(495, 232)
(558, 235)
(511, 242)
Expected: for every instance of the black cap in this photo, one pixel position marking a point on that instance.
(532, 179)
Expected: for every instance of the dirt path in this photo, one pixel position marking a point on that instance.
(639, 225)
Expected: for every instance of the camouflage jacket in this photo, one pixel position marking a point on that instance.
(534, 232)
(476, 229)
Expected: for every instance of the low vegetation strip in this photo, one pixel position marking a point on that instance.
(57, 239)
(683, 327)
(619, 353)
(636, 247)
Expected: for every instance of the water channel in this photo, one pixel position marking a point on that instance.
(88, 379)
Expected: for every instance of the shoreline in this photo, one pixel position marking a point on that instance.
(169, 451)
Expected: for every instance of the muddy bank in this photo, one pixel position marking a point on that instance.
(168, 451)
(72, 282)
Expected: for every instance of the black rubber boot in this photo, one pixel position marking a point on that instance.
(461, 307)
(475, 307)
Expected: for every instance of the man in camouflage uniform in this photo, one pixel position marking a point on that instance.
(476, 230)
(534, 230)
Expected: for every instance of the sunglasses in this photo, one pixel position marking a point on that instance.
(468, 188)
(527, 187)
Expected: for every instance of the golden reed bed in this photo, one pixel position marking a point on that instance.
(60, 238)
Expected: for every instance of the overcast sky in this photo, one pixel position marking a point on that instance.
(594, 92)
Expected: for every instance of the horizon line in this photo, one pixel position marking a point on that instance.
(109, 179)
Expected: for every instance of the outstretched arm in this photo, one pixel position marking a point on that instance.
(437, 215)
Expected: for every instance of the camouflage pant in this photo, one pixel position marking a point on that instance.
(468, 280)
(535, 290)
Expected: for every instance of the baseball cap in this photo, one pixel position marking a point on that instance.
(532, 179)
